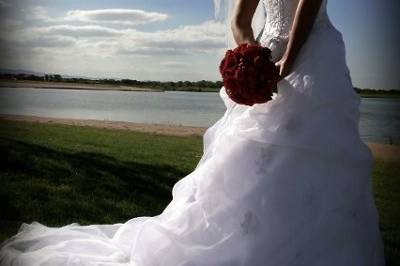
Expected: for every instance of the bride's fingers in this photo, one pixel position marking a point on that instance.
(279, 66)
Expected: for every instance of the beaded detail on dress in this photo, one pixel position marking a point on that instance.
(279, 19)
(280, 14)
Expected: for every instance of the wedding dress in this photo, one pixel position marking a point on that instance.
(287, 182)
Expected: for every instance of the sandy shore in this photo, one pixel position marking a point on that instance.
(67, 85)
(141, 127)
(382, 151)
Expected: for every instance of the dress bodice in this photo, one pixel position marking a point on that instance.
(279, 19)
(280, 15)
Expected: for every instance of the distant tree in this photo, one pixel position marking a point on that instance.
(187, 84)
(57, 77)
(34, 77)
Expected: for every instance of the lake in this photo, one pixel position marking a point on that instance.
(380, 117)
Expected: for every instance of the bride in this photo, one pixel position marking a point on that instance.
(285, 182)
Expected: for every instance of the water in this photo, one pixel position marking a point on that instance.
(380, 118)
(180, 108)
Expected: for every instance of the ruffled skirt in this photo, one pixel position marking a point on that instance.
(287, 182)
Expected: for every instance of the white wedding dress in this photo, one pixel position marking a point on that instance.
(284, 183)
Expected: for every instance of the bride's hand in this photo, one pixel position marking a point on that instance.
(284, 67)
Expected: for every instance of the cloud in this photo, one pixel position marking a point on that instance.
(149, 51)
(49, 42)
(175, 64)
(79, 31)
(91, 28)
(39, 13)
(31, 39)
(106, 41)
(205, 37)
(115, 16)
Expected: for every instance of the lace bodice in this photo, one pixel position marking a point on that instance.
(280, 15)
(279, 19)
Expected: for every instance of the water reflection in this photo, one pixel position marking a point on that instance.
(380, 118)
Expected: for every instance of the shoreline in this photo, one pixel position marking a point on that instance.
(110, 87)
(381, 151)
(162, 129)
(70, 86)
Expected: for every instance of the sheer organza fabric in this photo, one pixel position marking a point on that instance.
(287, 182)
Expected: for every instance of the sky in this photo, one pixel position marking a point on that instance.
(172, 39)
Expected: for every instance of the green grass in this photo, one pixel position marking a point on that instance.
(58, 174)
(387, 198)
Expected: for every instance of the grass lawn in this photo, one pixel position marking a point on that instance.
(59, 174)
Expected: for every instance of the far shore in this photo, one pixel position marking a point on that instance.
(69, 85)
(110, 87)
(384, 152)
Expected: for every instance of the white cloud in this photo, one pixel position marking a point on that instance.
(38, 13)
(115, 16)
(49, 42)
(205, 37)
(149, 51)
(79, 31)
(175, 64)
(92, 42)
(31, 39)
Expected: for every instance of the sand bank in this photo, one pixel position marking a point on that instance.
(175, 130)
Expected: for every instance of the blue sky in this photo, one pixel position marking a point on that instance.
(172, 39)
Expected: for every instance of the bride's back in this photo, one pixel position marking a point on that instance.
(280, 15)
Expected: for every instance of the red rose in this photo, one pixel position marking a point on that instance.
(229, 62)
(248, 74)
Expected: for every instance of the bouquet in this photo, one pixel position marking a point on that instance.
(248, 74)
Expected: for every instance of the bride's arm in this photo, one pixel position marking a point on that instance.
(241, 21)
(304, 18)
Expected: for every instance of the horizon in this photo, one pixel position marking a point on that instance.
(158, 41)
(66, 76)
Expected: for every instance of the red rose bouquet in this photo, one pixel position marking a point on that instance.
(248, 74)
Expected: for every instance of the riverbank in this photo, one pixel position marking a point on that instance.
(95, 86)
(68, 85)
(384, 152)
(173, 130)
(101, 86)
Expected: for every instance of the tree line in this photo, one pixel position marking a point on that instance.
(202, 85)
